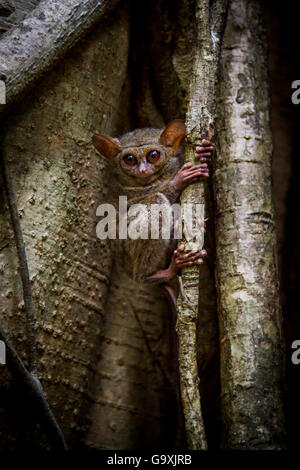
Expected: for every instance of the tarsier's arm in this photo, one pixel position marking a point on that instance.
(187, 174)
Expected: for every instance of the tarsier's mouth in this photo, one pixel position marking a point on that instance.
(146, 179)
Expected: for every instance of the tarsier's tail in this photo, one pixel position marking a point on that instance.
(179, 416)
(171, 296)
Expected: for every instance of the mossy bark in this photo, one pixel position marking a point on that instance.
(247, 278)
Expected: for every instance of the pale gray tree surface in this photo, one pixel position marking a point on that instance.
(104, 343)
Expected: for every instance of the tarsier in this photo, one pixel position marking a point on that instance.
(147, 167)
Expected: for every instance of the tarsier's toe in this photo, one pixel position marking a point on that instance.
(199, 256)
(193, 257)
(179, 249)
(190, 254)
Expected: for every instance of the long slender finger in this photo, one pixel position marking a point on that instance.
(190, 254)
(193, 179)
(199, 254)
(190, 263)
(196, 175)
(179, 249)
(204, 149)
(194, 167)
(203, 154)
(186, 165)
(207, 142)
(184, 256)
(201, 166)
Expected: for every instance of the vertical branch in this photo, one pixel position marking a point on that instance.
(199, 125)
(28, 378)
(23, 266)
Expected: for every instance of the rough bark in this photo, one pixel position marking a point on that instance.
(27, 378)
(34, 45)
(250, 317)
(59, 181)
(12, 12)
(133, 391)
(98, 373)
(151, 399)
(33, 395)
(199, 125)
(23, 267)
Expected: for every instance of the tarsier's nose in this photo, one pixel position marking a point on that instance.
(143, 170)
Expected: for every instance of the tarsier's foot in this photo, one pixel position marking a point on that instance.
(181, 259)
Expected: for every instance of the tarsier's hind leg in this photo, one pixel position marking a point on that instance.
(178, 414)
(179, 259)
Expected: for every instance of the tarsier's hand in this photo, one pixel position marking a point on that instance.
(189, 173)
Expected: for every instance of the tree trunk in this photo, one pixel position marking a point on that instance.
(42, 37)
(59, 181)
(250, 317)
(12, 12)
(104, 343)
(133, 392)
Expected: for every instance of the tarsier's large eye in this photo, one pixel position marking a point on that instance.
(130, 159)
(153, 156)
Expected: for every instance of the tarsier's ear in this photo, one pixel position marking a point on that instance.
(173, 134)
(107, 146)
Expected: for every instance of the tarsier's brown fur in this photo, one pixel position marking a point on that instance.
(147, 168)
